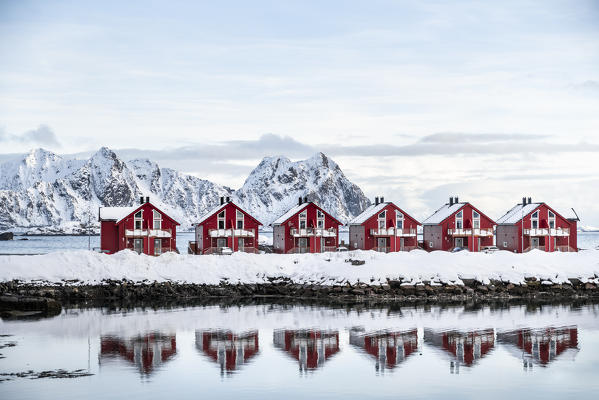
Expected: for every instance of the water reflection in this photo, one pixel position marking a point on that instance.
(311, 348)
(228, 349)
(464, 348)
(541, 346)
(388, 348)
(145, 351)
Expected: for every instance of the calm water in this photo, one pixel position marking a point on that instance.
(46, 244)
(299, 352)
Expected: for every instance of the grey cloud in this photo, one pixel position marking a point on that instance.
(43, 135)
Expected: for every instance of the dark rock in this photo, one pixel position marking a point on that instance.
(6, 236)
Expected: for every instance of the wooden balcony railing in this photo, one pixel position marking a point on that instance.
(547, 232)
(230, 232)
(392, 231)
(382, 249)
(324, 232)
(470, 231)
(159, 233)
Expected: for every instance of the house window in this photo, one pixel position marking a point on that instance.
(381, 220)
(221, 219)
(551, 220)
(157, 247)
(303, 219)
(157, 220)
(430, 244)
(319, 219)
(534, 220)
(398, 220)
(504, 244)
(138, 219)
(239, 220)
(459, 220)
(475, 220)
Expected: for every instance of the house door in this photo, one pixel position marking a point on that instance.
(221, 242)
(459, 242)
(240, 244)
(477, 244)
(303, 245)
(157, 247)
(534, 244)
(138, 245)
(401, 244)
(382, 244)
(322, 242)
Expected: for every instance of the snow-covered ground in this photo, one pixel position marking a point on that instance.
(327, 268)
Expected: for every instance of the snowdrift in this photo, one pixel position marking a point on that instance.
(326, 269)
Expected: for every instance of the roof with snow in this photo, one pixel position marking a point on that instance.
(290, 213)
(517, 213)
(115, 213)
(443, 213)
(216, 209)
(368, 212)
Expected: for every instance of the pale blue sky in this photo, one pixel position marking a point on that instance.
(506, 84)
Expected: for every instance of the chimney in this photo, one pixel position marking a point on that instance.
(305, 199)
(147, 199)
(382, 199)
(299, 201)
(529, 200)
(141, 199)
(222, 200)
(457, 200)
(376, 201)
(450, 201)
(228, 199)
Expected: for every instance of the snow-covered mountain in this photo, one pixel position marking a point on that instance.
(44, 192)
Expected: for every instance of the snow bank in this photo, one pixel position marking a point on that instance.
(326, 269)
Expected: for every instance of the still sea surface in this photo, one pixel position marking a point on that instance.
(306, 352)
(47, 244)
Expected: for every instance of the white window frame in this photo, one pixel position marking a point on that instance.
(459, 220)
(239, 217)
(399, 220)
(431, 244)
(551, 219)
(156, 220)
(221, 217)
(303, 219)
(475, 220)
(139, 219)
(382, 221)
(319, 219)
(504, 244)
(534, 220)
(157, 250)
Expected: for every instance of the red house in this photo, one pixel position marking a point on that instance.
(531, 225)
(311, 348)
(224, 227)
(383, 227)
(463, 348)
(306, 228)
(228, 349)
(143, 229)
(542, 346)
(457, 225)
(388, 348)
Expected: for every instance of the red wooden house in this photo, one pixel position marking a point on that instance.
(457, 225)
(226, 226)
(311, 348)
(531, 225)
(388, 348)
(142, 228)
(306, 228)
(230, 350)
(383, 227)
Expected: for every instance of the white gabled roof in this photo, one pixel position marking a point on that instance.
(442, 213)
(516, 213)
(210, 213)
(115, 213)
(369, 212)
(290, 213)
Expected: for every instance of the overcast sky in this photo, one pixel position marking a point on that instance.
(414, 100)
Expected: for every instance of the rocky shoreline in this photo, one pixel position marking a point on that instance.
(28, 297)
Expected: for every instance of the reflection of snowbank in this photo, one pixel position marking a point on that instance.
(327, 268)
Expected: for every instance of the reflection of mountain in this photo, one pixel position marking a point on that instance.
(465, 348)
(310, 347)
(147, 352)
(541, 346)
(388, 348)
(228, 349)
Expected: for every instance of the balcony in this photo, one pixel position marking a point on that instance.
(330, 232)
(158, 233)
(393, 232)
(470, 232)
(547, 232)
(230, 232)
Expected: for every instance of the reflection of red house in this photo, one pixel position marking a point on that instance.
(388, 348)
(542, 345)
(228, 349)
(147, 352)
(465, 348)
(310, 347)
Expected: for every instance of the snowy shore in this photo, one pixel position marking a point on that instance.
(328, 269)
